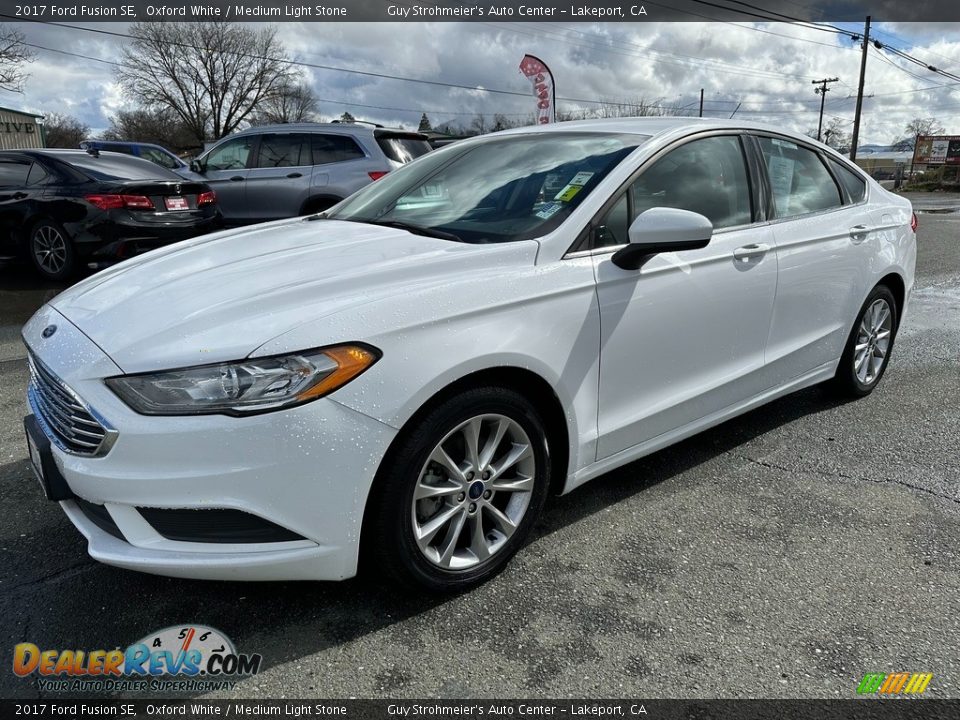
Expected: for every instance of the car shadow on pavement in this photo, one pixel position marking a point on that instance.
(53, 595)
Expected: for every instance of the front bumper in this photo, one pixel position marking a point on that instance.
(308, 470)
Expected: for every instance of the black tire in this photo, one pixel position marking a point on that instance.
(51, 250)
(846, 381)
(390, 548)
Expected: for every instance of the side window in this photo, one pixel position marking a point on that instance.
(160, 158)
(13, 174)
(801, 183)
(37, 175)
(334, 148)
(284, 150)
(707, 176)
(231, 155)
(855, 185)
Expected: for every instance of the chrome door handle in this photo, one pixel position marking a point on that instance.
(748, 251)
(858, 233)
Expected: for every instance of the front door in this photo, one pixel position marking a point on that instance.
(684, 337)
(278, 185)
(225, 171)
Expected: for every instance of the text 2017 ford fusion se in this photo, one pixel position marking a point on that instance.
(402, 380)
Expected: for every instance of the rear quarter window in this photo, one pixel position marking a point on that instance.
(402, 148)
(855, 185)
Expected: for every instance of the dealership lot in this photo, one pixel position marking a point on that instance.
(784, 553)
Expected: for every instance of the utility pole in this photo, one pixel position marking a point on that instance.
(822, 92)
(863, 75)
(701, 102)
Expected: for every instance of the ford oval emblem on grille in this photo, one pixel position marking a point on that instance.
(49, 330)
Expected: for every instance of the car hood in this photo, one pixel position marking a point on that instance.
(220, 297)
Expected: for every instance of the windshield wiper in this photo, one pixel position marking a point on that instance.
(415, 229)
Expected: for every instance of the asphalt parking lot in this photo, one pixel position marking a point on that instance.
(782, 554)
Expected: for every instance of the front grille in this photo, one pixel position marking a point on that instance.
(64, 417)
(215, 526)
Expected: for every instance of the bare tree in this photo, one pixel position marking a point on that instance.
(161, 126)
(64, 131)
(13, 56)
(835, 134)
(294, 102)
(917, 126)
(212, 74)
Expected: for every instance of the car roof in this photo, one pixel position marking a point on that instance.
(652, 126)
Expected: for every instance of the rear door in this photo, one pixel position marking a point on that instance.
(278, 184)
(226, 168)
(821, 237)
(341, 167)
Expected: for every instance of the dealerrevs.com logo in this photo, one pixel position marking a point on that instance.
(180, 657)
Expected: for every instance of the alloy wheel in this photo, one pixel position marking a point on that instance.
(873, 341)
(473, 492)
(50, 249)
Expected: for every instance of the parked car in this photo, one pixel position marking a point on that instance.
(280, 171)
(65, 207)
(403, 383)
(148, 151)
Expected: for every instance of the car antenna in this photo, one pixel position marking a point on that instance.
(93, 151)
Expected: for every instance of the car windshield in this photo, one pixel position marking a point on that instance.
(504, 189)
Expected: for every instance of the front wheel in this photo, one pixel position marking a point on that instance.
(868, 348)
(461, 492)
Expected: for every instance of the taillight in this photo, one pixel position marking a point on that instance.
(914, 222)
(115, 202)
(206, 198)
(377, 174)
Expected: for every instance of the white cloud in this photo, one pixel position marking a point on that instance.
(755, 66)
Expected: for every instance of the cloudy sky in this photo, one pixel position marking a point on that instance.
(766, 69)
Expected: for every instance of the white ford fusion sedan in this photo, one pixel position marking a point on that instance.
(401, 381)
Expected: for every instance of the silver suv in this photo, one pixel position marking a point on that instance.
(278, 171)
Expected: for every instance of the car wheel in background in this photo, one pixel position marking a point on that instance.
(868, 348)
(460, 493)
(51, 250)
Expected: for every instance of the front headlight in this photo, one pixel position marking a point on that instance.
(245, 386)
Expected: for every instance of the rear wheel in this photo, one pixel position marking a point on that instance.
(51, 250)
(868, 348)
(461, 493)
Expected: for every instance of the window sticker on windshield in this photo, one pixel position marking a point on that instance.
(573, 187)
(568, 193)
(549, 210)
(581, 178)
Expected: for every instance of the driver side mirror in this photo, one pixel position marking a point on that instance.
(660, 230)
(197, 167)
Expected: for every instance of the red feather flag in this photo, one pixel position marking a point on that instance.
(539, 74)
